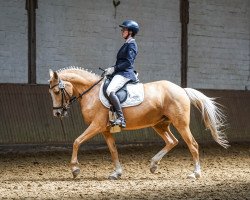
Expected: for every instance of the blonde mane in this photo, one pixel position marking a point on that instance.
(84, 73)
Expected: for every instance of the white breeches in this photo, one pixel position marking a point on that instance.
(117, 83)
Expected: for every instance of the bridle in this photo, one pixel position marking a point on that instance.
(64, 93)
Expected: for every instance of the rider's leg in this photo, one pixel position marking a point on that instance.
(117, 83)
(116, 103)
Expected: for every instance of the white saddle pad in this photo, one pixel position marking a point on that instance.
(135, 95)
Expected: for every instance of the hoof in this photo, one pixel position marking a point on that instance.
(114, 176)
(153, 168)
(194, 175)
(75, 172)
(197, 174)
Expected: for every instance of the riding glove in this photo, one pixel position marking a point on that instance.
(109, 70)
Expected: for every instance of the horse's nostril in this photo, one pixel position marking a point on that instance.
(57, 114)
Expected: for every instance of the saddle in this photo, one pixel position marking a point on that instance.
(122, 94)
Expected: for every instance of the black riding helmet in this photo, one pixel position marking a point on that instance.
(131, 26)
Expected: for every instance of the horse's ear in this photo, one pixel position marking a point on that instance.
(51, 73)
(55, 75)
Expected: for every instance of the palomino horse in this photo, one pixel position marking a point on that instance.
(164, 103)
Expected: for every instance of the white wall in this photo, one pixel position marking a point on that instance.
(219, 44)
(86, 33)
(13, 42)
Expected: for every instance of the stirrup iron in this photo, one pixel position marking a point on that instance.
(112, 119)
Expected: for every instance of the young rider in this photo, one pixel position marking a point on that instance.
(123, 71)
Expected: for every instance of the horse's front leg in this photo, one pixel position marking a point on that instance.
(91, 131)
(114, 154)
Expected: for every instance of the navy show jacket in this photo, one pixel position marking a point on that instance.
(125, 58)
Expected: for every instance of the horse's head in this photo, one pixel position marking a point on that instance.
(61, 93)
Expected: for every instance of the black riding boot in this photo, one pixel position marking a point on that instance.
(116, 103)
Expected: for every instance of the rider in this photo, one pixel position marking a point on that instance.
(123, 71)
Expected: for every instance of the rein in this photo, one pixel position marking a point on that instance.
(86, 91)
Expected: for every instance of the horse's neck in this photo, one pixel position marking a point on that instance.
(80, 83)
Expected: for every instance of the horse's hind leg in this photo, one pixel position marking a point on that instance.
(193, 147)
(114, 154)
(163, 130)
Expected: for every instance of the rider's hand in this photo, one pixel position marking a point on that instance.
(109, 70)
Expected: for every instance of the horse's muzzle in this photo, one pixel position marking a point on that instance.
(60, 113)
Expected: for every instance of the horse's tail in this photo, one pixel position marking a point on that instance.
(212, 115)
